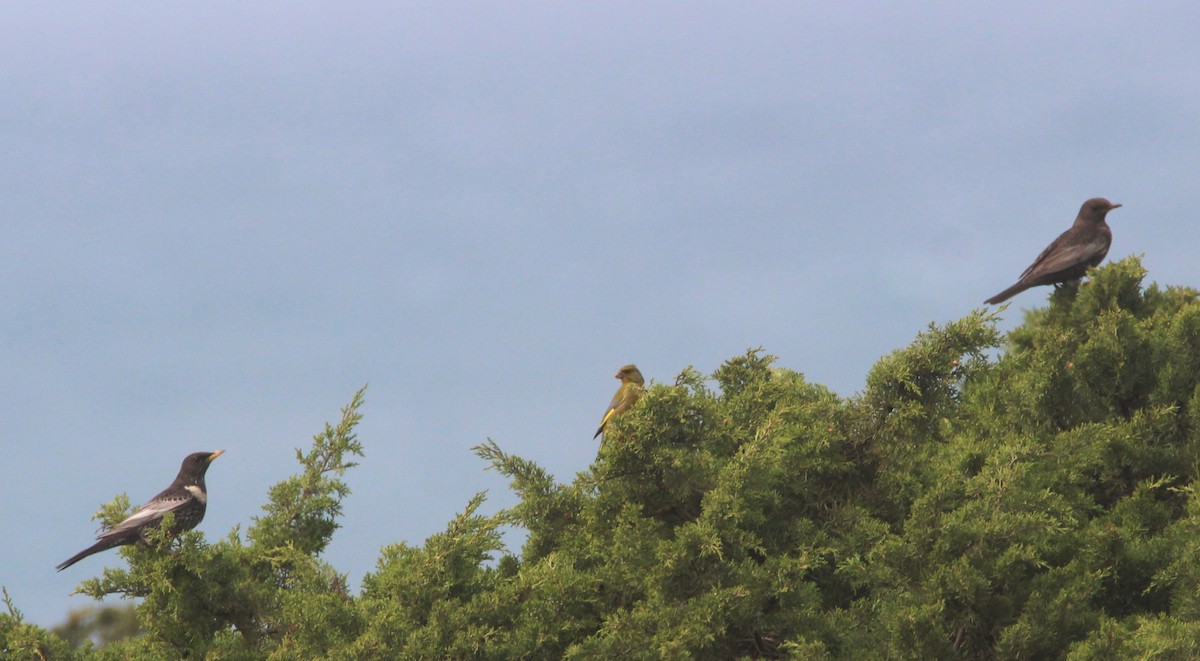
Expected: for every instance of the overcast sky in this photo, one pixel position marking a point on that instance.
(220, 220)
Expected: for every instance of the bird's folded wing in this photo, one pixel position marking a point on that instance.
(612, 410)
(1063, 255)
(151, 511)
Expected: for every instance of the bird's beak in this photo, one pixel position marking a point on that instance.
(1113, 207)
(617, 375)
(215, 455)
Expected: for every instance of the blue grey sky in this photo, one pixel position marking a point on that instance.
(221, 219)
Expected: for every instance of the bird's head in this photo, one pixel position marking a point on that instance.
(196, 464)
(1095, 209)
(629, 374)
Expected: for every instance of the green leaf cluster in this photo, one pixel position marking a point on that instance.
(1025, 496)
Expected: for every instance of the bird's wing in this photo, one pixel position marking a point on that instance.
(150, 512)
(1064, 254)
(616, 400)
(607, 416)
(624, 398)
(612, 407)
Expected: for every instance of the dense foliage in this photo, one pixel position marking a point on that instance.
(1037, 502)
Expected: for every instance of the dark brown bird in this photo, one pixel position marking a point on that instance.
(1071, 254)
(187, 498)
(627, 395)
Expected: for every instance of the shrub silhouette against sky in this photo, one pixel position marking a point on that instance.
(1023, 496)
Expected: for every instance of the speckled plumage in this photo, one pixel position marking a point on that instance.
(186, 498)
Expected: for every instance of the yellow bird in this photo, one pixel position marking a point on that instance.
(627, 395)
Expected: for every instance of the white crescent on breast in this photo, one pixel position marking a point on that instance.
(197, 493)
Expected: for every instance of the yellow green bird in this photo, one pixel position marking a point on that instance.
(627, 395)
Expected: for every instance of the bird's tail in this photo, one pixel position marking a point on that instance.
(102, 545)
(1007, 293)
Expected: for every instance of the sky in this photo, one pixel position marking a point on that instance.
(219, 220)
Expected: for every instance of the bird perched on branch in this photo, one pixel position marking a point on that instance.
(1071, 254)
(186, 498)
(627, 395)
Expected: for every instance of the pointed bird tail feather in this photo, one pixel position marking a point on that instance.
(1007, 293)
(102, 545)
